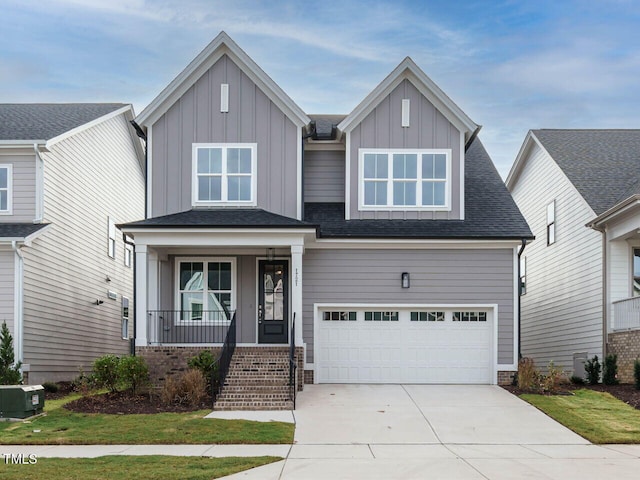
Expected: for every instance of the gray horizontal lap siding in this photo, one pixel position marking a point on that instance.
(196, 118)
(24, 188)
(428, 129)
(462, 277)
(324, 176)
(6, 287)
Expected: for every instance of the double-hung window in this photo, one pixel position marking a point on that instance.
(224, 174)
(5, 189)
(405, 179)
(206, 289)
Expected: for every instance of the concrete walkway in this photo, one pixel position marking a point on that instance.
(405, 432)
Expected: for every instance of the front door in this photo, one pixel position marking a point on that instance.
(273, 301)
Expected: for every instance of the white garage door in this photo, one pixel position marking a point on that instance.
(372, 345)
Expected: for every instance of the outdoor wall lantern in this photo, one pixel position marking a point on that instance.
(405, 279)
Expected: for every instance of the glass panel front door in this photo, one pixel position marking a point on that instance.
(273, 299)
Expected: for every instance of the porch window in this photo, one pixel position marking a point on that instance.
(206, 289)
(224, 174)
(636, 272)
(5, 189)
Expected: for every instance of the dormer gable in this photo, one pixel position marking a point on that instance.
(405, 149)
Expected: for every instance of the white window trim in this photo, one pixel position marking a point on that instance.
(125, 318)
(128, 255)
(194, 175)
(204, 260)
(551, 221)
(112, 238)
(9, 210)
(419, 180)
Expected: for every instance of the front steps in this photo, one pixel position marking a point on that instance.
(258, 379)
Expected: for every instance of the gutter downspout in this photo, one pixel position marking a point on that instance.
(18, 296)
(132, 311)
(524, 245)
(605, 313)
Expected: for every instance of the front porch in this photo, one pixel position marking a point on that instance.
(229, 290)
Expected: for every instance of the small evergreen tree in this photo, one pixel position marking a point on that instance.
(9, 373)
(610, 372)
(593, 368)
(636, 373)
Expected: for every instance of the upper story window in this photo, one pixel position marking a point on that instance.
(551, 223)
(5, 189)
(111, 245)
(224, 174)
(405, 179)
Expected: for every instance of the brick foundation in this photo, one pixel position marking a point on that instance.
(627, 346)
(308, 377)
(506, 377)
(165, 362)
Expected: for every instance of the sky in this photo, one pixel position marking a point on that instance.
(510, 65)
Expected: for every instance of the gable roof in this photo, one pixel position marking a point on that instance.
(21, 232)
(491, 212)
(219, 46)
(603, 165)
(407, 69)
(43, 121)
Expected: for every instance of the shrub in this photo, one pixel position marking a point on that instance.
(528, 375)
(190, 388)
(133, 373)
(9, 370)
(83, 383)
(576, 380)
(610, 372)
(204, 362)
(105, 371)
(636, 373)
(551, 381)
(50, 387)
(592, 368)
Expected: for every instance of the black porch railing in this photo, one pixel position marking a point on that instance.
(220, 366)
(189, 326)
(293, 366)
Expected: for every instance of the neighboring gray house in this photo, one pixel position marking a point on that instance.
(582, 295)
(385, 237)
(68, 174)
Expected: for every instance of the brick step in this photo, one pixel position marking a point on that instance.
(254, 406)
(262, 385)
(253, 398)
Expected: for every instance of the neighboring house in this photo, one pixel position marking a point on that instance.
(581, 283)
(68, 174)
(385, 237)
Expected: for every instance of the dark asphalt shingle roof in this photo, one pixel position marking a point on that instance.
(491, 212)
(604, 165)
(221, 218)
(19, 230)
(326, 123)
(43, 121)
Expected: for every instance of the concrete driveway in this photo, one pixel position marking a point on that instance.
(436, 431)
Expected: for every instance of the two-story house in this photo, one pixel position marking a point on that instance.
(382, 244)
(68, 174)
(580, 192)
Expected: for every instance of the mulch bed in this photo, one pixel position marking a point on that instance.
(124, 403)
(625, 392)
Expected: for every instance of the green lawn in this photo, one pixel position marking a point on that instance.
(133, 468)
(62, 427)
(596, 416)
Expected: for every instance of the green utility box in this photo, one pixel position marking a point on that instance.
(21, 401)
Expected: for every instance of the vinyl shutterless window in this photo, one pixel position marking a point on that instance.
(551, 223)
(111, 245)
(206, 289)
(636, 273)
(224, 174)
(405, 179)
(5, 189)
(125, 318)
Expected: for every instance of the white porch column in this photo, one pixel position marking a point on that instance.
(141, 296)
(296, 293)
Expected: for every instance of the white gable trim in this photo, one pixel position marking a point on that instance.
(219, 46)
(410, 71)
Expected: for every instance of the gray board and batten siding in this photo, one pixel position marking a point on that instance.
(252, 118)
(456, 276)
(428, 129)
(23, 192)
